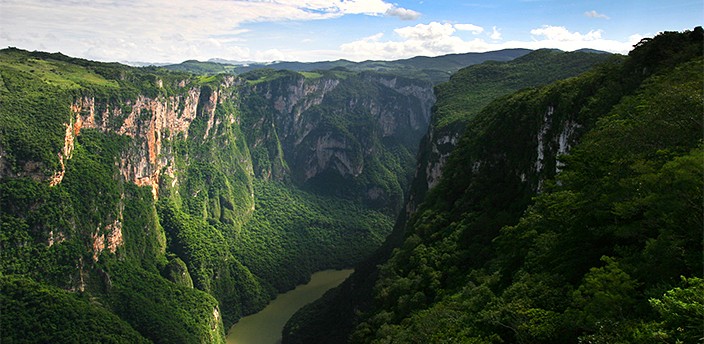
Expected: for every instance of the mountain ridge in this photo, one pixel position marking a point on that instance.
(542, 228)
(435, 69)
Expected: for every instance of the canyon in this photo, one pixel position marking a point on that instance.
(156, 205)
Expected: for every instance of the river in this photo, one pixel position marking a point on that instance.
(265, 327)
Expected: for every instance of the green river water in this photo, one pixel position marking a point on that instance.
(265, 327)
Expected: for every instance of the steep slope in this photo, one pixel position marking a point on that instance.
(599, 254)
(86, 152)
(131, 192)
(472, 88)
(459, 100)
(351, 135)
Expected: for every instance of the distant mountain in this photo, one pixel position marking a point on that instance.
(144, 64)
(592, 51)
(231, 62)
(436, 69)
(198, 67)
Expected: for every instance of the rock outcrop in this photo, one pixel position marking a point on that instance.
(150, 122)
(356, 131)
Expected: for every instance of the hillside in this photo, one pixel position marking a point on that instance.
(137, 195)
(471, 89)
(435, 69)
(566, 213)
(346, 134)
(555, 197)
(466, 92)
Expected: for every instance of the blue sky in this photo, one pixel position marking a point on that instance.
(315, 30)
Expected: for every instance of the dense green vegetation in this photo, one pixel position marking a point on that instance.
(66, 318)
(294, 234)
(54, 236)
(584, 260)
(338, 133)
(467, 92)
(436, 69)
(176, 263)
(472, 88)
(607, 251)
(517, 243)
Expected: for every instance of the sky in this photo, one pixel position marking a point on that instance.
(172, 31)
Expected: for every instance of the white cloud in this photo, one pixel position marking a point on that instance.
(559, 37)
(495, 34)
(176, 30)
(561, 34)
(423, 39)
(435, 38)
(470, 27)
(402, 13)
(374, 38)
(634, 39)
(595, 14)
(431, 31)
(162, 30)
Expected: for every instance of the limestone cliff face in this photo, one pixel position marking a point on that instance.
(434, 150)
(339, 131)
(399, 119)
(153, 124)
(554, 137)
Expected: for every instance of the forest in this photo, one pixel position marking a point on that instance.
(129, 201)
(520, 242)
(156, 205)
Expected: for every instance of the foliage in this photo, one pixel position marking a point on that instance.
(209, 261)
(162, 311)
(31, 312)
(56, 235)
(616, 227)
(507, 127)
(38, 89)
(336, 133)
(472, 88)
(171, 268)
(294, 234)
(681, 310)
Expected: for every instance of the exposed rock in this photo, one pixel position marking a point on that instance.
(566, 140)
(64, 155)
(98, 244)
(55, 238)
(544, 127)
(306, 128)
(440, 148)
(143, 164)
(210, 111)
(114, 236)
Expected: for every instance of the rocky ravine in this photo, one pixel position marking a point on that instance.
(356, 132)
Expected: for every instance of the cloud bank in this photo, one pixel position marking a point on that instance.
(595, 14)
(441, 38)
(161, 30)
(176, 30)
(402, 13)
